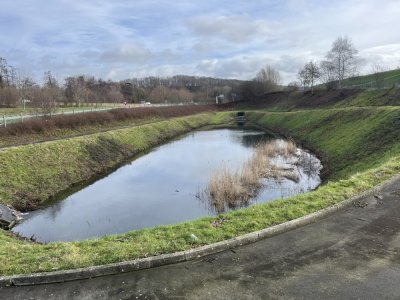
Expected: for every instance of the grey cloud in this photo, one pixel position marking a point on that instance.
(126, 53)
(387, 56)
(246, 67)
(235, 29)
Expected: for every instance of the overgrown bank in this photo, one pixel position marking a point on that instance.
(359, 160)
(70, 125)
(33, 173)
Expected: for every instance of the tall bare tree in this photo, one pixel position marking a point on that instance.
(309, 75)
(268, 79)
(328, 74)
(343, 57)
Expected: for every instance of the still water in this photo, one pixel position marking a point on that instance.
(161, 187)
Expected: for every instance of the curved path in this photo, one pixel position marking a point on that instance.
(353, 254)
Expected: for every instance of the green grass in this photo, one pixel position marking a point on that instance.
(360, 144)
(349, 140)
(380, 97)
(33, 173)
(389, 78)
(63, 133)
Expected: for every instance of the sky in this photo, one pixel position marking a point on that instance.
(122, 39)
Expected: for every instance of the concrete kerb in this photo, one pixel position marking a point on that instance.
(165, 259)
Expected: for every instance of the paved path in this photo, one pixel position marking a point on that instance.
(353, 254)
(23, 116)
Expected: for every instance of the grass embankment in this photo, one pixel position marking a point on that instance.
(361, 145)
(322, 99)
(34, 173)
(349, 140)
(387, 79)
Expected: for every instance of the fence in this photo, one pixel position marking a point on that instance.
(6, 119)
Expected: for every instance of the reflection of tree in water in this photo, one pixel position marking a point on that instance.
(54, 210)
(252, 140)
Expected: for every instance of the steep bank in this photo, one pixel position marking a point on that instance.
(31, 174)
(323, 99)
(348, 140)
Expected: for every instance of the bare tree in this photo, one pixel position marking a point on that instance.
(9, 93)
(302, 75)
(45, 98)
(309, 75)
(159, 94)
(268, 79)
(3, 72)
(343, 57)
(327, 70)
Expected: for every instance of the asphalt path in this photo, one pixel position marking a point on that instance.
(23, 117)
(353, 254)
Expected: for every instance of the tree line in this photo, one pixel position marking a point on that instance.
(340, 62)
(86, 90)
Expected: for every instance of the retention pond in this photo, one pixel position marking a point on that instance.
(165, 186)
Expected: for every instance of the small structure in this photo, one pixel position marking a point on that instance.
(219, 99)
(8, 217)
(241, 116)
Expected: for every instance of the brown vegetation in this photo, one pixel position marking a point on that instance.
(115, 115)
(229, 188)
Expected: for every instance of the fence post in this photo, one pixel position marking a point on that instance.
(4, 121)
(22, 119)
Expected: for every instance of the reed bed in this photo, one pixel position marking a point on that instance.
(235, 188)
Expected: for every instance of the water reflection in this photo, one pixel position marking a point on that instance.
(158, 188)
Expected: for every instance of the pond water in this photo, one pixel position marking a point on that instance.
(161, 187)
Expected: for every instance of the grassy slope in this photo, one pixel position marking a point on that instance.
(383, 97)
(322, 99)
(368, 134)
(57, 134)
(390, 77)
(33, 173)
(349, 140)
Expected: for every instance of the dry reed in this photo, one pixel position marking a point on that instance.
(227, 188)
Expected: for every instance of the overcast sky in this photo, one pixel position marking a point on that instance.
(121, 39)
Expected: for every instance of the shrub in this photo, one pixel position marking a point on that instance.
(101, 118)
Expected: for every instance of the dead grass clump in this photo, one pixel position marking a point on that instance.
(225, 188)
(229, 188)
